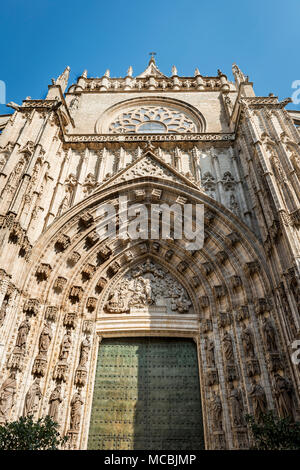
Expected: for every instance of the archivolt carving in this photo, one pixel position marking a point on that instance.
(148, 285)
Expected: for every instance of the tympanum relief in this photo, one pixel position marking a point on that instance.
(147, 286)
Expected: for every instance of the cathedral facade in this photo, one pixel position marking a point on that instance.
(140, 343)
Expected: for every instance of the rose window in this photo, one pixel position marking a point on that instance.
(152, 120)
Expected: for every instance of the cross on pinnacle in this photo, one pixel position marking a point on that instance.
(152, 54)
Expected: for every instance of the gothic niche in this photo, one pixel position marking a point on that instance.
(148, 286)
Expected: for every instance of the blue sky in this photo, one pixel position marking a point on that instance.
(40, 37)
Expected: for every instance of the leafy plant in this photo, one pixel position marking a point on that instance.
(27, 434)
(274, 433)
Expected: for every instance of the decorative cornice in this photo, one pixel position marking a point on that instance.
(194, 137)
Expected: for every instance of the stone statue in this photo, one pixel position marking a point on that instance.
(174, 71)
(65, 346)
(235, 397)
(45, 339)
(248, 342)
(227, 346)
(76, 404)
(55, 400)
(84, 352)
(269, 335)
(284, 396)
(22, 334)
(210, 353)
(216, 412)
(3, 311)
(129, 72)
(32, 398)
(7, 396)
(259, 400)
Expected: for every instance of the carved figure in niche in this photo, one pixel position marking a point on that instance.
(227, 347)
(55, 400)
(65, 346)
(146, 285)
(7, 396)
(237, 407)
(3, 311)
(210, 353)
(32, 398)
(259, 400)
(284, 395)
(75, 415)
(248, 342)
(84, 352)
(269, 335)
(45, 339)
(216, 412)
(22, 334)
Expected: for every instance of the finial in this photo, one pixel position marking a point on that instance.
(62, 80)
(107, 73)
(84, 74)
(129, 72)
(174, 71)
(152, 60)
(196, 73)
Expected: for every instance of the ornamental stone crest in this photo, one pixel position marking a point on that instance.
(148, 286)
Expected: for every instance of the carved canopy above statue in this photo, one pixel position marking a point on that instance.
(148, 285)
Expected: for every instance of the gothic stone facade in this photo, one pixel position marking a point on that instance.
(155, 139)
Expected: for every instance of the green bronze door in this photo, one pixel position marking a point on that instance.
(146, 395)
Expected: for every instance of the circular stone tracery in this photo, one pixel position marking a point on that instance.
(152, 120)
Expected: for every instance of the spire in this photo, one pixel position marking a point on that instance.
(238, 75)
(84, 74)
(174, 71)
(196, 73)
(62, 80)
(129, 72)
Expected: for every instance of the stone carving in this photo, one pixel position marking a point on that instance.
(22, 334)
(76, 293)
(210, 353)
(3, 310)
(284, 396)
(32, 398)
(54, 401)
(70, 320)
(259, 400)
(7, 396)
(62, 242)
(269, 335)
(216, 412)
(228, 181)
(248, 342)
(31, 307)
(60, 283)
(237, 407)
(148, 285)
(65, 346)
(45, 339)
(153, 117)
(75, 414)
(43, 271)
(208, 182)
(227, 347)
(84, 352)
(51, 313)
